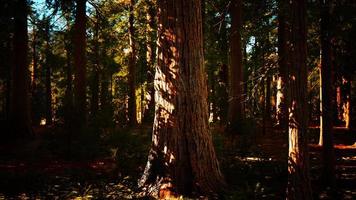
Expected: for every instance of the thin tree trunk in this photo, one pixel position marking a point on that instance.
(281, 108)
(182, 159)
(347, 102)
(298, 159)
(236, 74)
(19, 108)
(35, 64)
(48, 76)
(79, 42)
(68, 96)
(268, 98)
(69, 88)
(96, 79)
(35, 115)
(267, 106)
(150, 58)
(326, 120)
(132, 111)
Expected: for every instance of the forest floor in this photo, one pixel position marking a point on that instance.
(107, 166)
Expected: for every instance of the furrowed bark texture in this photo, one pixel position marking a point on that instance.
(182, 159)
(298, 159)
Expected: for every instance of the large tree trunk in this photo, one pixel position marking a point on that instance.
(281, 108)
(79, 42)
(298, 158)
(236, 74)
(326, 109)
(132, 68)
(19, 108)
(182, 159)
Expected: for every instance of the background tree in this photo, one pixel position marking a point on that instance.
(132, 113)
(19, 102)
(326, 108)
(79, 43)
(281, 109)
(235, 72)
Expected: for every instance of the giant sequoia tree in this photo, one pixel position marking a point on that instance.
(298, 167)
(182, 159)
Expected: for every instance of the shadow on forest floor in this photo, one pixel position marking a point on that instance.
(107, 165)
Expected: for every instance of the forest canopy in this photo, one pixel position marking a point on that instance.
(223, 99)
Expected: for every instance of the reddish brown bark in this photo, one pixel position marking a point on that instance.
(236, 75)
(298, 159)
(182, 159)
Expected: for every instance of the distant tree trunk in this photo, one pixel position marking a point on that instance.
(69, 88)
(68, 95)
(212, 93)
(35, 64)
(95, 94)
(19, 108)
(150, 58)
(223, 77)
(236, 74)
(263, 105)
(79, 42)
(298, 159)
(281, 108)
(268, 98)
(347, 101)
(96, 77)
(48, 76)
(35, 115)
(104, 92)
(132, 113)
(182, 159)
(326, 109)
(267, 105)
